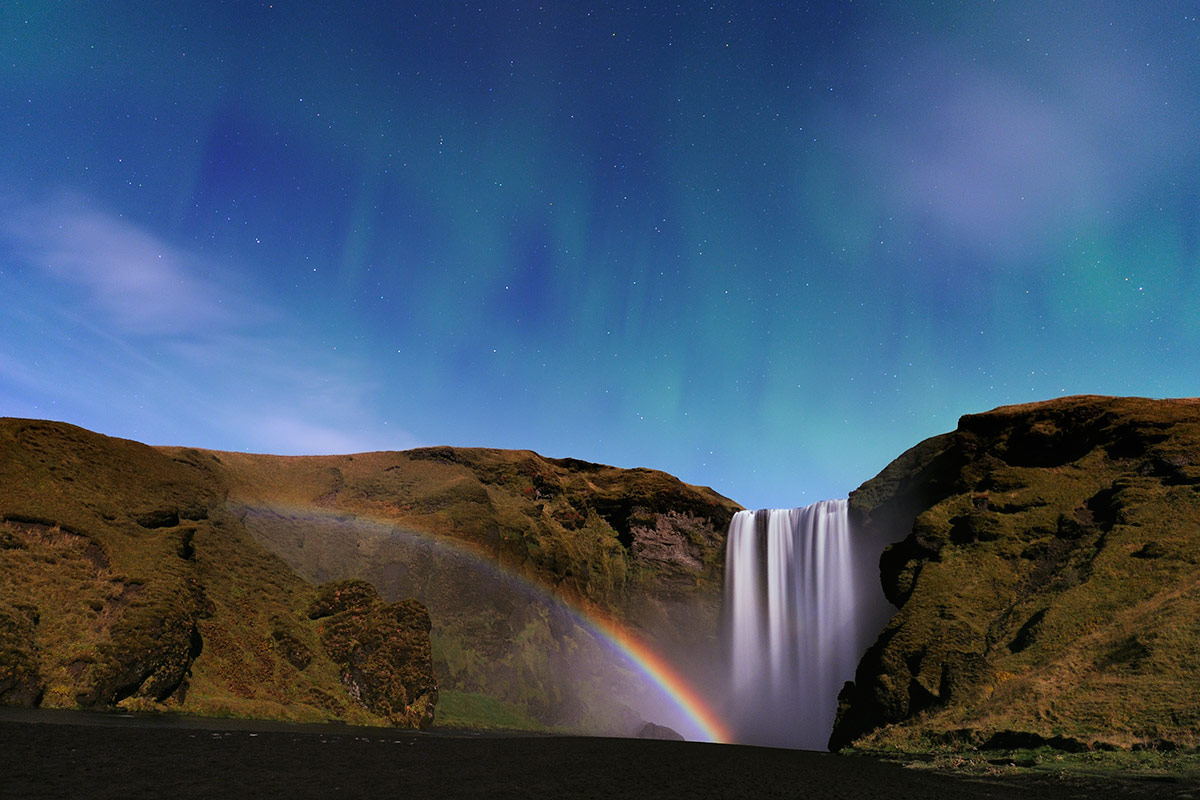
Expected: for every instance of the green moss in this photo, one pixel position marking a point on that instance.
(476, 711)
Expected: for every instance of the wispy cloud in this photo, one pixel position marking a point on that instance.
(140, 282)
(991, 162)
(289, 435)
(115, 327)
(1025, 142)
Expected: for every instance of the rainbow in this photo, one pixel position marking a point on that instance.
(660, 672)
(644, 659)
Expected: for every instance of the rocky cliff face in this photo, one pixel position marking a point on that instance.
(126, 581)
(136, 577)
(482, 538)
(1047, 574)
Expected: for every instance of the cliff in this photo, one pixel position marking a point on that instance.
(487, 539)
(175, 579)
(125, 581)
(1047, 576)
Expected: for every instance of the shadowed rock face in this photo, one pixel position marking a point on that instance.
(124, 581)
(1047, 574)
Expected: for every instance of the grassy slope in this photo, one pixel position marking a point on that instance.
(1049, 590)
(130, 564)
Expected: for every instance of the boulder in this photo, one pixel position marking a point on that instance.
(382, 650)
(652, 731)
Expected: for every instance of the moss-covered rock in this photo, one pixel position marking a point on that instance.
(337, 597)
(382, 650)
(1047, 573)
(150, 649)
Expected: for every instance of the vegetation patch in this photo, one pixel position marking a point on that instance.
(476, 711)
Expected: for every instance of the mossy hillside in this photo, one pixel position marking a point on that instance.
(493, 633)
(467, 531)
(585, 528)
(146, 593)
(1047, 586)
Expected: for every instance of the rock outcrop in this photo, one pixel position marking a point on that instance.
(652, 731)
(382, 650)
(1047, 574)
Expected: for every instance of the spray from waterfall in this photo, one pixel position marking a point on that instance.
(802, 602)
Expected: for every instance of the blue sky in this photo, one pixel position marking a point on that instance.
(763, 246)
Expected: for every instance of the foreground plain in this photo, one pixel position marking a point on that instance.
(64, 755)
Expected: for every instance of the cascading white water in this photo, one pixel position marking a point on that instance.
(798, 602)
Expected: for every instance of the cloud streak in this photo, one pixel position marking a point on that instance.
(1008, 147)
(141, 283)
(107, 319)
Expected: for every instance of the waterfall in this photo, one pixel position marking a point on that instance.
(800, 607)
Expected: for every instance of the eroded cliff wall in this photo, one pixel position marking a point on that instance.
(1047, 574)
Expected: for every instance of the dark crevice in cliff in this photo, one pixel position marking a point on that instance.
(1026, 632)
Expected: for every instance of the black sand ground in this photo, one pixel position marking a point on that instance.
(65, 755)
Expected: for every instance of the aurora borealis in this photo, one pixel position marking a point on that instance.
(763, 246)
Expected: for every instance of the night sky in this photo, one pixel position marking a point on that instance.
(763, 246)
